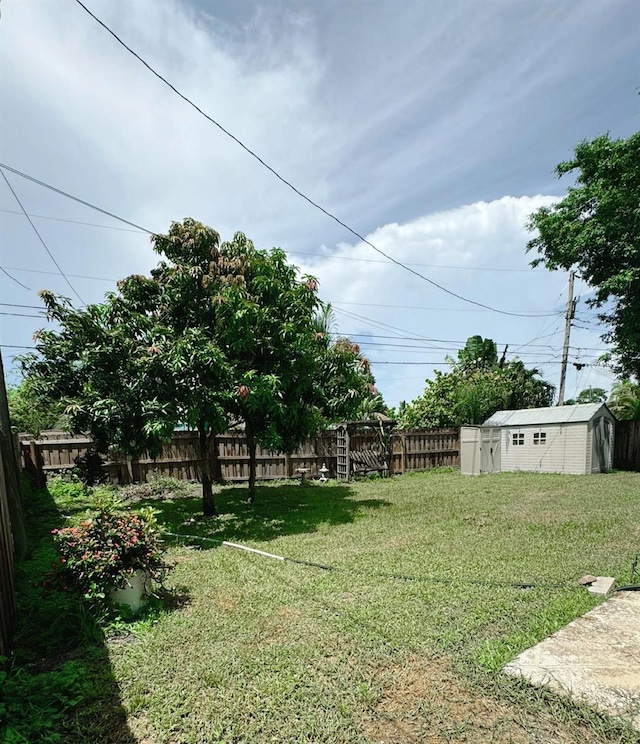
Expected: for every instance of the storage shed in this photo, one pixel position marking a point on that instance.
(565, 439)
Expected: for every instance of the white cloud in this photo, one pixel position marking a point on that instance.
(482, 240)
(419, 111)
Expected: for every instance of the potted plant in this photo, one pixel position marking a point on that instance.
(112, 554)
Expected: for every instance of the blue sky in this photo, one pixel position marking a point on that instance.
(431, 128)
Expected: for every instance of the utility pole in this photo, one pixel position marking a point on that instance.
(569, 315)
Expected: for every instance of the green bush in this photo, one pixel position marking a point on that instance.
(90, 468)
(34, 705)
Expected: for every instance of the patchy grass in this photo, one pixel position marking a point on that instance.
(402, 640)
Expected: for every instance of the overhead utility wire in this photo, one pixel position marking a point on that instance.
(150, 232)
(22, 315)
(125, 229)
(288, 183)
(423, 265)
(534, 313)
(55, 273)
(17, 281)
(40, 238)
(74, 198)
(461, 344)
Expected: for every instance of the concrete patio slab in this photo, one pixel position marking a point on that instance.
(594, 659)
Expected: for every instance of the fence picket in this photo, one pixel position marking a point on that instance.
(411, 450)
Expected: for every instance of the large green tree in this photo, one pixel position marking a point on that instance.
(477, 385)
(588, 395)
(595, 229)
(219, 331)
(290, 378)
(30, 415)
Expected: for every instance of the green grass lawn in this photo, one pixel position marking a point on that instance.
(401, 642)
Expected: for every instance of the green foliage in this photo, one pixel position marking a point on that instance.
(596, 228)
(625, 400)
(90, 468)
(103, 552)
(34, 706)
(477, 386)
(31, 414)
(588, 395)
(218, 330)
(66, 492)
(155, 489)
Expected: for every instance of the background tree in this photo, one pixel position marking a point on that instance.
(477, 386)
(596, 228)
(29, 414)
(624, 401)
(588, 395)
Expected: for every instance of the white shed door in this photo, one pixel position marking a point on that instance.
(490, 450)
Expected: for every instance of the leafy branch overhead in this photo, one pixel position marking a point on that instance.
(596, 229)
(219, 332)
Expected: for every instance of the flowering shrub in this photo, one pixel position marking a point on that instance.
(104, 552)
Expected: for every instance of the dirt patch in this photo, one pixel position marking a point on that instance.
(423, 700)
(225, 602)
(280, 623)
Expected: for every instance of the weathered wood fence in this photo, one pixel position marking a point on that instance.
(7, 590)
(412, 450)
(626, 445)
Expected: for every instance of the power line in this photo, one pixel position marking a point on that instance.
(288, 183)
(535, 313)
(423, 265)
(113, 227)
(299, 253)
(55, 273)
(12, 346)
(17, 281)
(74, 198)
(40, 238)
(22, 315)
(29, 307)
(462, 343)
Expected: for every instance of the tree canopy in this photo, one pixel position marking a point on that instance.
(30, 415)
(624, 401)
(588, 395)
(218, 332)
(596, 229)
(477, 385)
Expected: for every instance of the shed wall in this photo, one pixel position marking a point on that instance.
(563, 451)
(470, 450)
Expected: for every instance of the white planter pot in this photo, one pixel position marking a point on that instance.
(134, 593)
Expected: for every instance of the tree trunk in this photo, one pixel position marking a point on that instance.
(251, 444)
(204, 439)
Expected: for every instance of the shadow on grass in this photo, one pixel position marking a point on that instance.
(61, 686)
(283, 509)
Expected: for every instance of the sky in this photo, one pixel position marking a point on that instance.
(432, 129)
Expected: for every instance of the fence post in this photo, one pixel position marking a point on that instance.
(288, 465)
(36, 459)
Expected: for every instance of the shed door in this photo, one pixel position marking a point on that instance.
(490, 450)
(603, 435)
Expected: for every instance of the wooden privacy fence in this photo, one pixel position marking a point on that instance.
(412, 450)
(7, 596)
(626, 445)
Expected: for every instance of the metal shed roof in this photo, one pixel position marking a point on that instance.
(540, 416)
